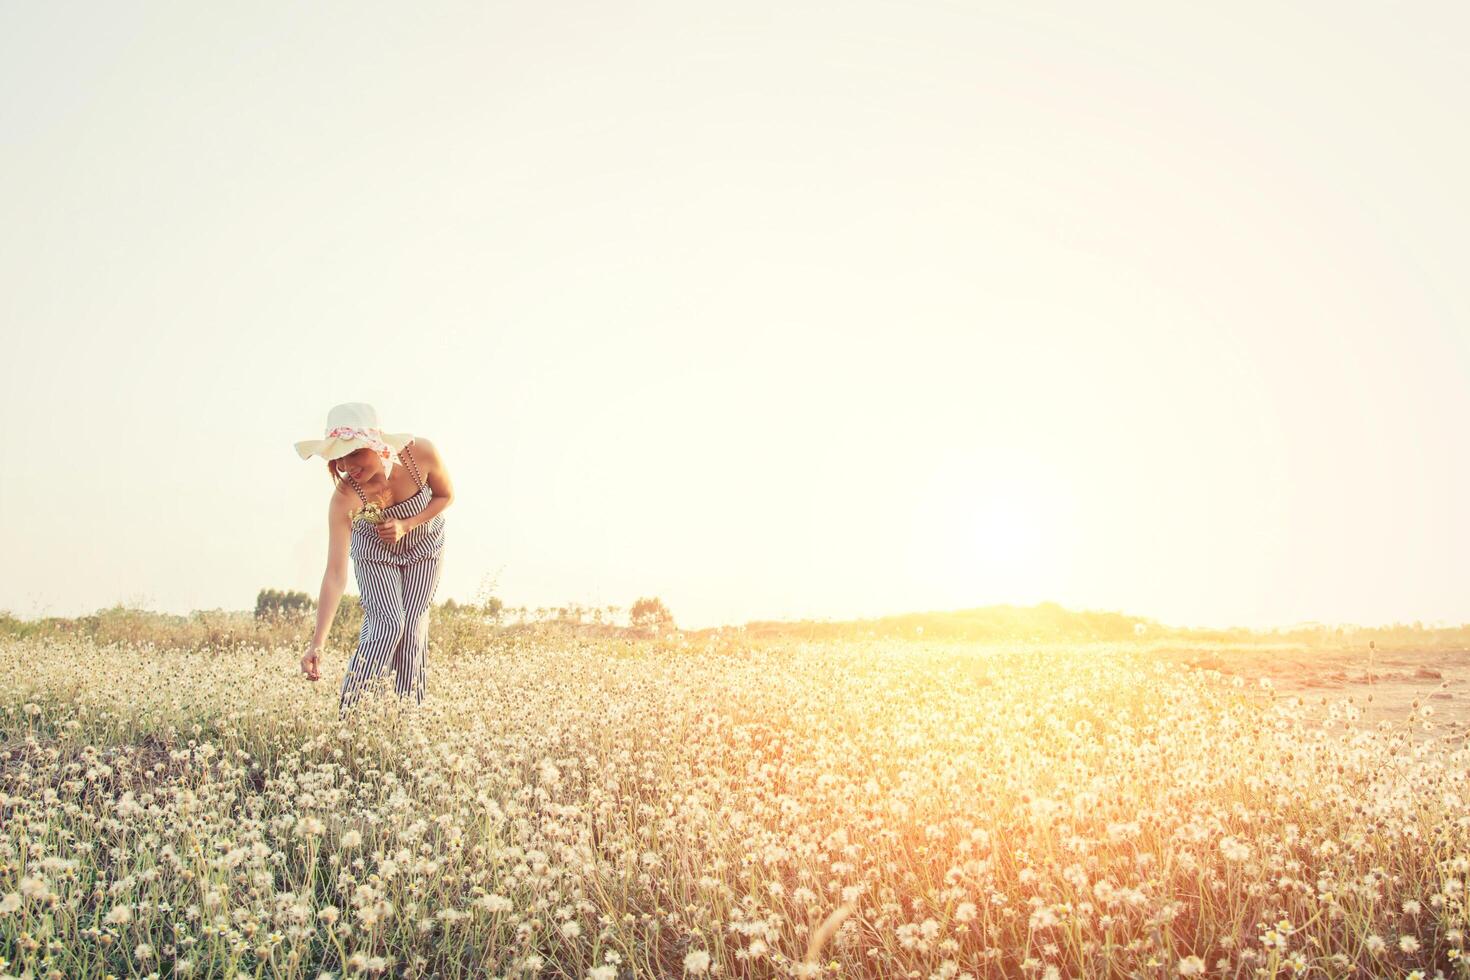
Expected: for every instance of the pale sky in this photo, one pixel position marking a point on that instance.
(770, 309)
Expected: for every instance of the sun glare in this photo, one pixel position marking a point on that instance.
(991, 533)
(1003, 534)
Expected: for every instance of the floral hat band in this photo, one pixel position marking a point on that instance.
(373, 438)
(351, 427)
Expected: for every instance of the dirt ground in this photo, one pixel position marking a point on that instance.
(1384, 689)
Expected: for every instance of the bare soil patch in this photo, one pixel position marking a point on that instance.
(1387, 687)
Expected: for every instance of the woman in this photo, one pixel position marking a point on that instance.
(389, 520)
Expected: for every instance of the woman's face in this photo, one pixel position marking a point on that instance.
(360, 464)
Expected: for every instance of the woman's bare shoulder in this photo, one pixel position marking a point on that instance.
(342, 498)
(424, 449)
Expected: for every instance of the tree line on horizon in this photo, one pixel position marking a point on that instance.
(280, 616)
(647, 613)
(287, 618)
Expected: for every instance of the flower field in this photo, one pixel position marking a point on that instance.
(606, 808)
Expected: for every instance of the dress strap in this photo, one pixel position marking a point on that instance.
(358, 489)
(408, 459)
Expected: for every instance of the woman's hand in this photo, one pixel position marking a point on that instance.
(390, 531)
(310, 664)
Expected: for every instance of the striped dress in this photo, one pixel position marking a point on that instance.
(424, 541)
(396, 585)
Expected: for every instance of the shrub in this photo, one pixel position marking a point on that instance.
(650, 614)
(271, 603)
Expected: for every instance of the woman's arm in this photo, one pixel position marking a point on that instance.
(437, 477)
(334, 581)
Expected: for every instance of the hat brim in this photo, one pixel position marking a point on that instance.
(334, 448)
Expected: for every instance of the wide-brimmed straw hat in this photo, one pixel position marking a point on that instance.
(350, 427)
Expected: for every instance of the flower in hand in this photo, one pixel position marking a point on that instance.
(369, 512)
